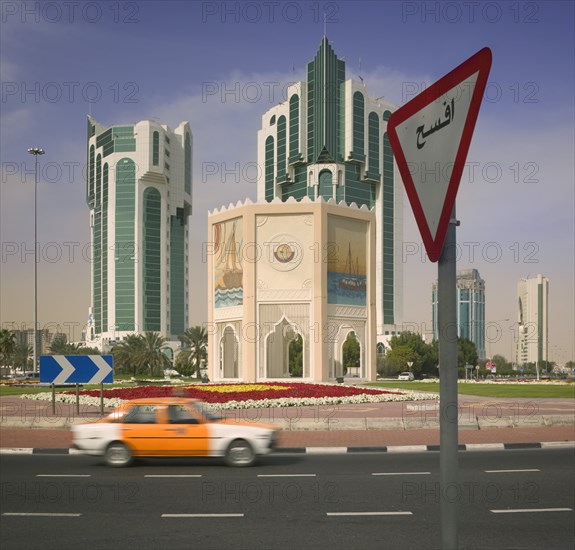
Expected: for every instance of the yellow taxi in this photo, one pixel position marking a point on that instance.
(172, 427)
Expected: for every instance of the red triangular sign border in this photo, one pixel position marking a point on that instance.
(481, 61)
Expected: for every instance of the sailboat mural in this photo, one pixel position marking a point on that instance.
(346, 274)
(228, 272)
(352, 280)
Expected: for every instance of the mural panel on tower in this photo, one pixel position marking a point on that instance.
(347, 259)
(228, 272)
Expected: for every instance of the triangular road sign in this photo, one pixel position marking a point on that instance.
(430, 137)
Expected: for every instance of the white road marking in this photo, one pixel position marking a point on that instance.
(39, 514)
(173, 475)
(557, 444)
(484, 446)
(400, 473)
(406, 448)
(511, 471)
(369, 513)
(325, 450)
(63, 475)
(286, 475)
(202, 515)
(522, 510)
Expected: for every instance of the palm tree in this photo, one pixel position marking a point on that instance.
(128, 353)
(141, 351)
(21, 357)
(7, 346)
(60, 346)
(152, 352)
(194, 350)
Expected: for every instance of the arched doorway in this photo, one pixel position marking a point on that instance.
(229, 354)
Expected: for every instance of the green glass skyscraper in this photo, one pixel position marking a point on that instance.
(139, 187)
(329, 140)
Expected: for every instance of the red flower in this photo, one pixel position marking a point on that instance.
(293, 390)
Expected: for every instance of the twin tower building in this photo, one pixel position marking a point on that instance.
(315, 261)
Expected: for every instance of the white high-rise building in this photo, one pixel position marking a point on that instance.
(329, 140)
(139, 191)
(533, 316)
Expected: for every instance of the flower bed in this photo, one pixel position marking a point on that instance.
(236, 396)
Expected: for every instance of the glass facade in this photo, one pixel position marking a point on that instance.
(188, 164)
(373, 148)
(177, 273)
(388, 218)
(117, 139)
(326, 75)
(269, 169)
(294, 153)
(151, 264)
(326, 184)
(281, 151)
(470, 309)
(358, 152)
(156, 148)
(125, 246)
(139, 273)
(104, 249)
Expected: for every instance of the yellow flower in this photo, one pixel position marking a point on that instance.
(227, 388)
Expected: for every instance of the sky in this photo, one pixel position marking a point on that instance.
(221, 66)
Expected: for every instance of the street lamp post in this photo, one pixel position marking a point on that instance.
(35, 151)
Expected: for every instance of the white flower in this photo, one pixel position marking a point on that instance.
(260, 403)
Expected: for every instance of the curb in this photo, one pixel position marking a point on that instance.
(343, 450)
(337, 424)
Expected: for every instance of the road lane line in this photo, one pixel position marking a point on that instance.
(511, 471)
(287, 475)
(40, 514)
(63, 475)
(525, 510)
(400, 473)
(202, 515)
(369, 513)
(173, 475)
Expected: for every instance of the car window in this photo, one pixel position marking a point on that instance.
(180, 414)
(205, 410)
(141, 414)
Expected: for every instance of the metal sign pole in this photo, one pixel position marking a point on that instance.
(448, 406)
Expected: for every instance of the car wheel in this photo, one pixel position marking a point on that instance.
(240, 453)
(118, 455)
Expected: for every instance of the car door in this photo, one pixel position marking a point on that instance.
(186, 431)
(140, 430)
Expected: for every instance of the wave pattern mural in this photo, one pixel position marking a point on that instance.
(228, 271)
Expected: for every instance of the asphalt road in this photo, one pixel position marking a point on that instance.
(508, 500)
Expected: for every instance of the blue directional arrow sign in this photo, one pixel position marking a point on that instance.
(76, 369)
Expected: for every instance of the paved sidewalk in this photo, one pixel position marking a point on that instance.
(484, 423)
